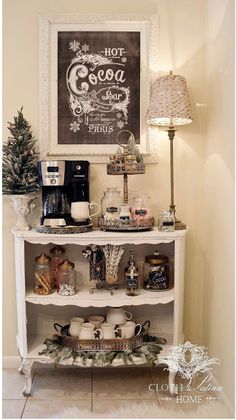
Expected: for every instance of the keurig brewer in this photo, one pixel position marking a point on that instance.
(63, 183)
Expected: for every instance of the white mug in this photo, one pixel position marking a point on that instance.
(108, 330)
(75, 326)
(87, 331)
(128, 329)
(96, 320)
(118, 316)
(80, 210)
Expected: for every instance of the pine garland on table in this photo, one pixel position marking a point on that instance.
(19, 168)
(59, 353)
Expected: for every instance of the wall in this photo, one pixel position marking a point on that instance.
(219, 192)
(182, 47)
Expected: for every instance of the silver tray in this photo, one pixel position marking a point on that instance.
(64, 230)
(126, 228)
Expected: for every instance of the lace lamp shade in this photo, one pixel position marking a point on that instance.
(170, 105)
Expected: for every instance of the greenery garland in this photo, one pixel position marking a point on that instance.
(59, 353)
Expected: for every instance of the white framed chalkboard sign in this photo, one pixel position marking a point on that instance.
(94, 81)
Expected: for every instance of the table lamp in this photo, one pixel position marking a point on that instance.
(170, 107)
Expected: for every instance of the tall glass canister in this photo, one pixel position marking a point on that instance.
(43, 275)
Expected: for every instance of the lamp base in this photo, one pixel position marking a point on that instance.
(179, 225)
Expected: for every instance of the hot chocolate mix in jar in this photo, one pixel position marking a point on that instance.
(57, 257)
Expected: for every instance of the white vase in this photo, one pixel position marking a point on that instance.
(22, 205)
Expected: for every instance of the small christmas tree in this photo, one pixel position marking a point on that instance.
(19, 166)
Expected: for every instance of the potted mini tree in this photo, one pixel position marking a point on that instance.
(19, 169)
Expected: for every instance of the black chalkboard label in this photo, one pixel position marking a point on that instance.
(111, 209)
(159, 279)
(141, 212)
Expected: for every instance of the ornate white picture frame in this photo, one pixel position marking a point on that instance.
(51, 26)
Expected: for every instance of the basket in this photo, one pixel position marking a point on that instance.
(117, 344)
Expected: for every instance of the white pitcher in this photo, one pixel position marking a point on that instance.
(118, 316)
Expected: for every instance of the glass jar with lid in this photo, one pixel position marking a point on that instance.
(141, 209)
(110, 204)
(57, 257)
(66, 284)
(43, 275)
(156, 272)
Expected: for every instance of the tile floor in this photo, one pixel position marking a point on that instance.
(96, 391)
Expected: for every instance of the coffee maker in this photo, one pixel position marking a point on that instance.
(62, 182)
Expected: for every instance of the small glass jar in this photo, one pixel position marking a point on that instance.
(166, 221)
(132, 278)
(141, 209)
(66, 285)
(156, 272)
(57, 257)
(43, 275)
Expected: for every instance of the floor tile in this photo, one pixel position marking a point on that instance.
(125, 408)
(124, 383)
(59, 409)
(62, 384)
(12, 409)
(12, 384)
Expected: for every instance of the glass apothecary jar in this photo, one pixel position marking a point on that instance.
(66, 285)
(43, 275)
(156, 271)
(56, 259)
(141, 209)
(110, 204)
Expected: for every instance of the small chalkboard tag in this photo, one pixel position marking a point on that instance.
(168, 223)
(111, 209)
(159, 279)
(140, 212)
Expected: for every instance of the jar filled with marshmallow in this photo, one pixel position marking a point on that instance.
(66, 285)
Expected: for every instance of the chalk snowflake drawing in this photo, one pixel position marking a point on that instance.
(188, 360)
(83, 100)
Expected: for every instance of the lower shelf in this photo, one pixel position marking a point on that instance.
(35, 346)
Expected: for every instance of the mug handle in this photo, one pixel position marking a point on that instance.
(92, 204)
(118, 329)
(139, 329)
(128, 315)
(100, 331)
(56, 325)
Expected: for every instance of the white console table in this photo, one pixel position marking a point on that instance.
(37, 314)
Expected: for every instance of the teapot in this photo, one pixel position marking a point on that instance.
(118, 316)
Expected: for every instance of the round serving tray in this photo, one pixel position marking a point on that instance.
(64, 230)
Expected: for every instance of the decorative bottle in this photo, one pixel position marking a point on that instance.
(132, 278)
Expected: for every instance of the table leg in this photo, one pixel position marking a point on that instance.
(26, 368)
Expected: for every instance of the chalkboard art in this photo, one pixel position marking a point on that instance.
(98, 86)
